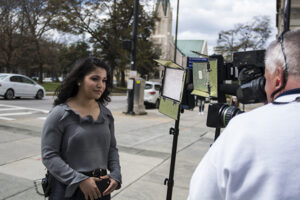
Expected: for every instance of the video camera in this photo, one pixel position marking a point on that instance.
(214, 79)
(248, 68)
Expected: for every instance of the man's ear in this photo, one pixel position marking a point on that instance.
(278, 78)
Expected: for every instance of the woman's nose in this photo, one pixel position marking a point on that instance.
(99, 84)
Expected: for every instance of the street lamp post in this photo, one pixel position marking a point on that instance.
(133, 56)
(176, 32)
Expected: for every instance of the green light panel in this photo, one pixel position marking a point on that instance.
(200, 79)
(213, 78)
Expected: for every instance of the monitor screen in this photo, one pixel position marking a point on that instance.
(173, 84)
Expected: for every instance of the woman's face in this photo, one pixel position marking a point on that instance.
(93, 84)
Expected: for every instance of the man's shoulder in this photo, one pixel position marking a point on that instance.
(255, 114)
(249, 123)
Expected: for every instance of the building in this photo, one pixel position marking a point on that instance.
(187, 46)
(294, 15)
(162, 37)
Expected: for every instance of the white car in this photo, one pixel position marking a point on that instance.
(17, 85)
(152, 93)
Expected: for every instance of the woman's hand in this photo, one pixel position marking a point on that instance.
(112, 186)
(89, 188)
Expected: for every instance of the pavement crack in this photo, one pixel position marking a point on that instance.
(24, 158)
(146, 127)
(187, 146)
(19, 130)
(16, 140)
(143, 152)
(19, 192)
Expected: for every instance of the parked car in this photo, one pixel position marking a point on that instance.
(152, 93)
(17, 85)
(47, 79)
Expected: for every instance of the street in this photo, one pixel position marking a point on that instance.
(144, 144)
(118, 102)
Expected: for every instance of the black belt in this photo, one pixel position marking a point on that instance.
(96, 173)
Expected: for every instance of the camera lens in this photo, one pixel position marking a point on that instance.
(227, 113)
(252, 92)
(220, 114)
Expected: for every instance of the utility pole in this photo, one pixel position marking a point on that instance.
(176, 32)
(133, 56)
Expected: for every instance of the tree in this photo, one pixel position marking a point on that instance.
(39, 15)
(249, 36)
(116, 29)
(229, 40)
(11, 34)
(81, 16)
(109, 23)
(68, 55)
(261, 30)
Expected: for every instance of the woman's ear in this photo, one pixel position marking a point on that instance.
(79, 83)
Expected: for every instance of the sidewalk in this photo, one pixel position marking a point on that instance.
(145, 148)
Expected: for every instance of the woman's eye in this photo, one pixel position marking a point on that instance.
(94, 78)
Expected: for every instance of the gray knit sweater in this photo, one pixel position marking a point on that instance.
(72, 145)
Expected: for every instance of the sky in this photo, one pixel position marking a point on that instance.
(204, 19)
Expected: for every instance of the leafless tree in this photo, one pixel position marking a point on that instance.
(11, 34)
(249, 36)
(39, 16)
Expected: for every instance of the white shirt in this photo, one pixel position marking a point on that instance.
(256, 157)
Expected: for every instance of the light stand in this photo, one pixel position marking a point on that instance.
(173, 85)
(170, 181)
(173, 131)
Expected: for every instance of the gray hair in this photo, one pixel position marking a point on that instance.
(274, 56)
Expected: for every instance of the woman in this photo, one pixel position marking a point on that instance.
(78, 141)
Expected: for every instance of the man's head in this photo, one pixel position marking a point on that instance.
(276, 64)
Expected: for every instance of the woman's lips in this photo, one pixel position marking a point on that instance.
(98, 91)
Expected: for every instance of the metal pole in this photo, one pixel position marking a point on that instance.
(175, 133)
(286, 16)
(217, 133)
(133, 54)
(176, 32)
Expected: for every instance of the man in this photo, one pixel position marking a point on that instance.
(257, 155)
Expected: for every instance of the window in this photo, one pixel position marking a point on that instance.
(148, 86)
(157, 87)
(2, 77)
(26, 80)
(16, 79)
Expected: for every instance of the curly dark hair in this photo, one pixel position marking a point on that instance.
(69, 86)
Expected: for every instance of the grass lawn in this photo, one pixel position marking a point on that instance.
(119, 90)
(51, 87)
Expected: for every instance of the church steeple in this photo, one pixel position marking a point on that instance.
(162, 35)
(164, 3)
